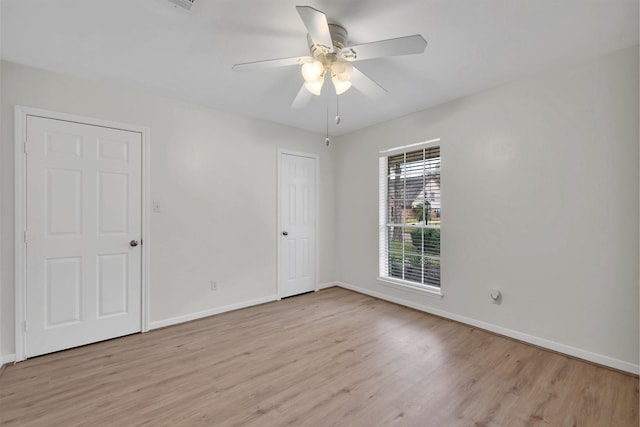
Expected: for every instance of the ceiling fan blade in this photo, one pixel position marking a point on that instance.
(271, 63)
(317, 26)
(391, 47)
(366, 85)
(302, 98)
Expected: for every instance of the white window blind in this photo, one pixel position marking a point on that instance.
(410, 215)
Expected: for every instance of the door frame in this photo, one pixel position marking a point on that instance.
(20, 211)
(316, 158)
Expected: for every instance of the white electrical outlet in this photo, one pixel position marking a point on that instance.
(214, 285)
(496, 296)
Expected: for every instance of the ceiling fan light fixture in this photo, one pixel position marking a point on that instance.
(342, 70)
(315, 87)
(312, 71)
(341, 86)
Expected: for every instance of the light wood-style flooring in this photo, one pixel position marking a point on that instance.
(331, 358)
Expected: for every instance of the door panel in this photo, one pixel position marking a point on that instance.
(84, 206)
(113, 197)
(63, 205)
(62, 291)
(113, 284)
(65, 144)
(113, 150)
(297, 256)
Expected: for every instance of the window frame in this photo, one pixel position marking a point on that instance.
(383, 276)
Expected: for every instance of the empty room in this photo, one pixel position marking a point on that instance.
(353, 213)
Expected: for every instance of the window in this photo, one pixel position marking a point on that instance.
(410, 215)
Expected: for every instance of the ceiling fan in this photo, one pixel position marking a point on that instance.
(330, 55)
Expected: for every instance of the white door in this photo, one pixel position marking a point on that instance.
(297, 257)
(83, 232)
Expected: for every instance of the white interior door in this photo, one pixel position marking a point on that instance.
(297, 257)
(83, 220)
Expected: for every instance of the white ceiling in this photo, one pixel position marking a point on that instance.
(154, 46)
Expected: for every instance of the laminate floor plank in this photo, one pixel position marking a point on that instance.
(330, 358)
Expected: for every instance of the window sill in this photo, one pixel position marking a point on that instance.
(404, 285)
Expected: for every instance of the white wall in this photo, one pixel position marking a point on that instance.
(540, 198)
(214, 174)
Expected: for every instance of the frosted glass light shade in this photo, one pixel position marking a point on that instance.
(315, 87)
(341, 86)
(311, 71)
(342, 70)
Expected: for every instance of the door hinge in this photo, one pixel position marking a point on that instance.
(24, 145)
(25, 236)
(25, 326)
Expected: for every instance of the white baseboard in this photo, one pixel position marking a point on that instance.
(206, 313)
(327, 285)
(7, 358)
(531, 339)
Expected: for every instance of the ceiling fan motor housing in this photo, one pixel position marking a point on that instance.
(321, 53)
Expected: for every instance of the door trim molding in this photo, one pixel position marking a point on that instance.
(316, 157)
(20, 204)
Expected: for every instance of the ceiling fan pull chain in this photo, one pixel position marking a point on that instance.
(338, 119)
(327, 140)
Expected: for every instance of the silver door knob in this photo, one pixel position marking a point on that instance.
(285, 233)
(133, 243)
